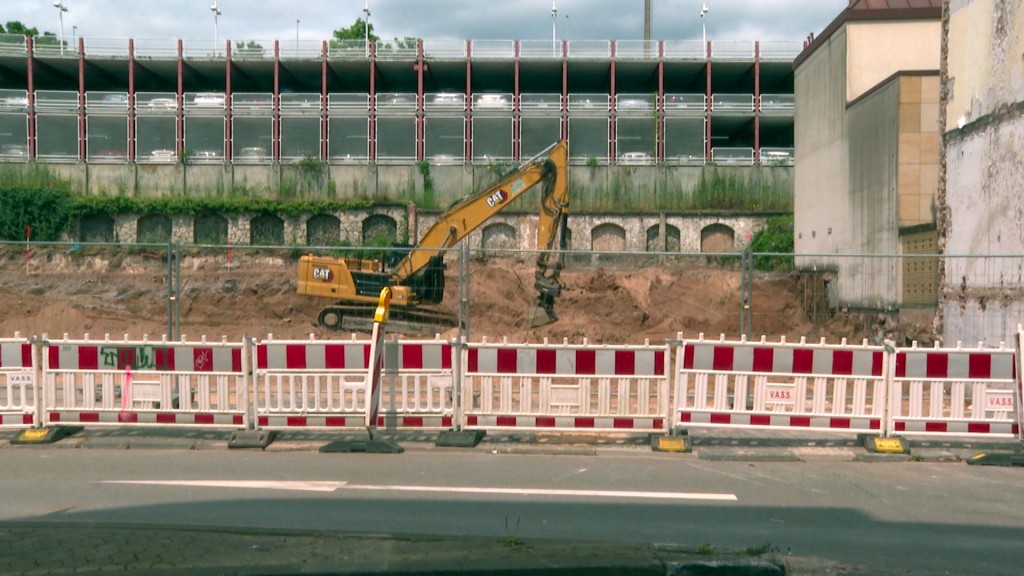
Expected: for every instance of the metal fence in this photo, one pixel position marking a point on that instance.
(610, 294)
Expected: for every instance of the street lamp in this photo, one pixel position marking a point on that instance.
(216, 13)
(703, 28)
(296, 36)
(61, 9)
(366, 28)
(554, 16)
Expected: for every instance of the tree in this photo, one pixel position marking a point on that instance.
(251, 49)
(16, 27)
(357, 31)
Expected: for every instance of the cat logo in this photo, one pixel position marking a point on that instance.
(324, 274)
(498, 197)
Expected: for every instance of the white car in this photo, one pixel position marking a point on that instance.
(162, 104)
(251, 154)
(636, 158)
(209, 99)
(491, 101)
(163, 155)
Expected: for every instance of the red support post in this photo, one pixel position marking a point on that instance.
(707, 108)
(517, 120)
(276, 133)
(324, 126)
(30, 73)
(82, 127)
(757, 102)
(467, 123)
(372, 128)
(227, 108)
(659, 146)
(181, 102)
(613, 116)
(131, 100)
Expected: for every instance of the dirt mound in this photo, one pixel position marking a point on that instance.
(126, 292)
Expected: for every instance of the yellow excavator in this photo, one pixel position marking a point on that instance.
(418, 278)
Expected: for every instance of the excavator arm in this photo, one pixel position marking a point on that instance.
(547, 168)
(471, 212)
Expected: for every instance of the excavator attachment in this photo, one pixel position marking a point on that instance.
(538, 316)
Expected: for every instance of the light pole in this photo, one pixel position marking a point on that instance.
(554, 16)
(61, 9)
(296, 36)
(366, 28)
(703, 29)
(74, 36)
(216, 13)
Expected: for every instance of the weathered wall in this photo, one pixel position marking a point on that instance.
(592, 188)
(517, 231)
(986, 40)
(984, 155)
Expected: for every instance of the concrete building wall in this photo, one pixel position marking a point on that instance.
(879, 49)
(821, 176)
(872, 203)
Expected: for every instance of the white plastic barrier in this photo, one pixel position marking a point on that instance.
(955, 391)
(145, 383)
(322, 384)
(566, 387)
(17, 383)
(763, 384)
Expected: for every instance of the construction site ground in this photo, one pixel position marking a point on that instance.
(60, 290)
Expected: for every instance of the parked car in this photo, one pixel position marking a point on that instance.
(251, 154)
(636, 158)
(205, 155)
(491, 101)
(163, 155)
(14, 103)
(634, 104)
(449, 98)
(395, 99)
(118, 100)
(162, 104)
(208, 99)
(14, 151)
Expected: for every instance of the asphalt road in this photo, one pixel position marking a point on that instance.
(933, 518)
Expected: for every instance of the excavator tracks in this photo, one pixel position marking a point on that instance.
(411, 321)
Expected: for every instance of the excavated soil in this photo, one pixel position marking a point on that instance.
(124, 292)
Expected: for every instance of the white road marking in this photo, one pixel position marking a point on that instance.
(260, 484)
(332, 486)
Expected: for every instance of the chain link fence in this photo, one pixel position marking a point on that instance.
(610, 297)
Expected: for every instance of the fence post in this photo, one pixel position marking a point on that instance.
(248, 378)
(1018, 390)
(37, 382)
(891, 393)
(458, 409)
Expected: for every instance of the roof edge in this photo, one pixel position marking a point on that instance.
(848, 15)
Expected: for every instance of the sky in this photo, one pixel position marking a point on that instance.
(430, 19)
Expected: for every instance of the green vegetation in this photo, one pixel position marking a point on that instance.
(48, 211)
(427, 200)
(728, 191)
(775, 238)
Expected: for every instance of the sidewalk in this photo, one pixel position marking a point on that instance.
(715, 444)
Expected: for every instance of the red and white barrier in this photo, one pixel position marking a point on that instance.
(780, 385)
(17, 383)
(322, 384)
(143, 382)
(955, 391)
(566, 387)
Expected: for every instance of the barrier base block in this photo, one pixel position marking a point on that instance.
(44, 435)
(369, 446)
(460, 438)
(878, 445)
(999, 459)
(251, 438)
(671, 443)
